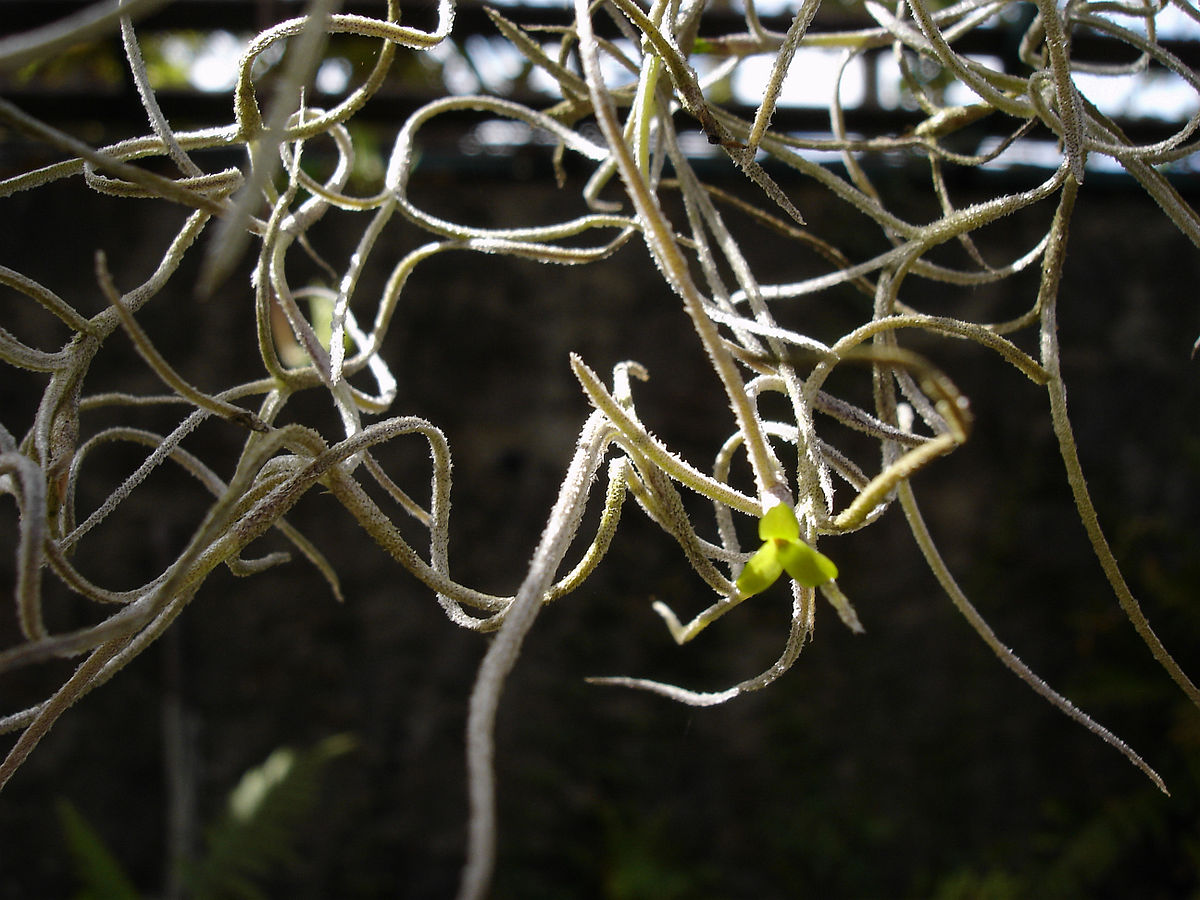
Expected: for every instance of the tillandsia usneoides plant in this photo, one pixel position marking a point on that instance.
(625, 108)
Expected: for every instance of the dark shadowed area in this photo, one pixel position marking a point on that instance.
(902, 762)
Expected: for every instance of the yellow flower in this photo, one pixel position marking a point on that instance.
(783, 551)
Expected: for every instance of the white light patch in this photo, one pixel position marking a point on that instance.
(811, 80)
(333, 75)
(496, 61)
(456, 73)
(958, 94)
(503, 133)
(1169, 23)
(1147, 95)
(214, 67)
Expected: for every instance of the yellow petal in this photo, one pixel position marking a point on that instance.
(805, 564)
(779, 522)
(761, 571)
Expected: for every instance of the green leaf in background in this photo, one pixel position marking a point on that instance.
(255, 835)
(257, 831)
(100, 876)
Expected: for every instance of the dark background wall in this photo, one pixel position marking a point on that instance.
(903, 762)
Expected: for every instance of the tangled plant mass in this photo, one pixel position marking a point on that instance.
(622, 108)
